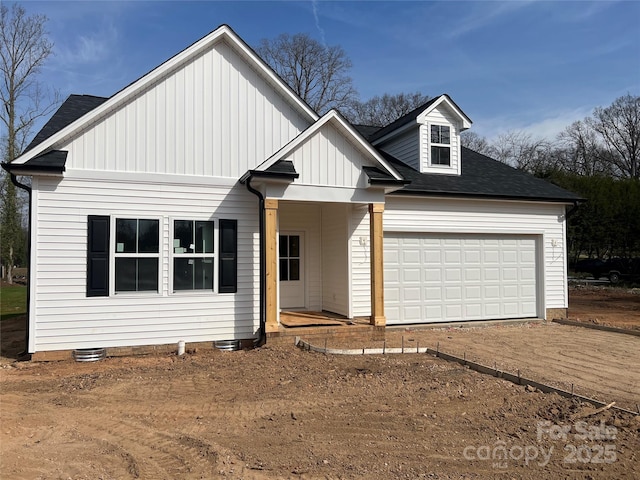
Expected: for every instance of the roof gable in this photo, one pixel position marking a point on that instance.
(445, 101)
(416, 116)
(324, 145)
(222, 33)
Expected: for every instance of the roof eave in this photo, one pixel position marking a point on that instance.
(267, 175)
(464, 195)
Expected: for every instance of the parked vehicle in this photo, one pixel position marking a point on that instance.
(622, 269)
(595, 267)
(615, 269)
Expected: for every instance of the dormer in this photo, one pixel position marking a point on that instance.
(427, 138)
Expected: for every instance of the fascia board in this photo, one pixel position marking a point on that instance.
(466, 121)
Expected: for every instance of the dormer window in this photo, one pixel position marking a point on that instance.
(440, 145)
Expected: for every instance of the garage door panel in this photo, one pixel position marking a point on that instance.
(509, 274)
(436, 277)
(433, 313)
(472, 274)
(491, 274)
(453, 275)
(472, 257)
(412, 294)
(472, 292)
(433, 293)
(453, 293)
(410, 275)
(473, 311)
(433, 275)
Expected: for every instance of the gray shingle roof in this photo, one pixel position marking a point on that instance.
(74, 107)
(481, 177)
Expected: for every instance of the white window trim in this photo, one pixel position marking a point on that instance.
(216, 256)
(434, 144)
(113, 255)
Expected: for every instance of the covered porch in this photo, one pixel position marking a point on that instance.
(326, 258)
(323, 198)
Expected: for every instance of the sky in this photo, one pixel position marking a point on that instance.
(533, 66)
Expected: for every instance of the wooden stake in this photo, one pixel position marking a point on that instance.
(595, 412)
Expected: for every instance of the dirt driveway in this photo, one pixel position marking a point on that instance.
(601, 365)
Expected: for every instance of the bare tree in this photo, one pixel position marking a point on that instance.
(380, 111)
(581, 151)
(24, 48)
(619, 127)
(521, 150)
(475, 142)
(317, 73)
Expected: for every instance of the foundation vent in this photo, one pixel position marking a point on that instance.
(227, 345)
(89, 354)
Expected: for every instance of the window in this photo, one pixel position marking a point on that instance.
(128, 250)
(193, 255)
(289, 257)
(137, 255)
(440, 145)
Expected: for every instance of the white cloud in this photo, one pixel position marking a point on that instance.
(547, 127)
(90, 48)
(484, 14)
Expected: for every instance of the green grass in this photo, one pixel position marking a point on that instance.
(13, 301)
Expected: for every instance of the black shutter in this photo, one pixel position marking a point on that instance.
(228, 262)
(98, 256)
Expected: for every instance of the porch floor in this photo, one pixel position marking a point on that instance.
(309, 324)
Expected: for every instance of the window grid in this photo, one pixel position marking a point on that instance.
(440, 139)
(136, 255)
(193, 253)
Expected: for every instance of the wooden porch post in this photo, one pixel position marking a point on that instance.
(271, 263)
(377, 278)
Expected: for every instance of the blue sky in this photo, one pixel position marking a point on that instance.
(519, 65)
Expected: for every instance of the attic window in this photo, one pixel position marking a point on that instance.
(440, 145)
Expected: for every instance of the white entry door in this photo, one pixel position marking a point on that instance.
(291, 249)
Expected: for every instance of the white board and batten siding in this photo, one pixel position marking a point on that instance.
(63, 316)
(329, 159)
(519, 228)
(215, 116)
(335, 258)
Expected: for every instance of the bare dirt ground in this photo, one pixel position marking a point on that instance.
(604, 305)
(279, 412)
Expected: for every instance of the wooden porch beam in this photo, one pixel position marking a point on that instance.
(377, 279)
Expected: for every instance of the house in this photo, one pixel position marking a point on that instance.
(205, 198)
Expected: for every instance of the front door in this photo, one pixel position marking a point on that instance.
(291, 258)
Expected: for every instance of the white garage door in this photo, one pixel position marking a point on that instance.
(445, 278)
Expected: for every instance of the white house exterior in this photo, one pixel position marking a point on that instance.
(203, 199)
